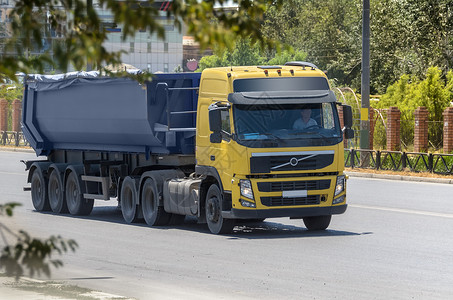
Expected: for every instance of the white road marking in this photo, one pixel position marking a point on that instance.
(406, 211)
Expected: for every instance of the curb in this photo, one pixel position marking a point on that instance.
(400, 177)
(16, 149)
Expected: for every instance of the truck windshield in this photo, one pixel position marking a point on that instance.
(287, 125)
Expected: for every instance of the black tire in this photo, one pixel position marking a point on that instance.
(216, 223)
(317, 223)
(129, 200)
(39, 194)
(153, 214)
(56, 194)
(74, 190)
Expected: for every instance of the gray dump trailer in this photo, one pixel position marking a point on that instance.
(113, 137)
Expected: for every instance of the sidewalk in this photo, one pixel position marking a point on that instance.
(32, 289)
(10, 289)
(16, 149)
(413, 178)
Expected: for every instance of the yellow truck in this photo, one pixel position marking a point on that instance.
(237, 143)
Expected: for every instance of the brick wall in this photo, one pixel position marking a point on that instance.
(17, 113)
(421, 115)
(3, 115)
(448, 130)
(393, 129)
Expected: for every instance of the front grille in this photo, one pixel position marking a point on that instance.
(267, 164)
(280, 201)
(293, 185)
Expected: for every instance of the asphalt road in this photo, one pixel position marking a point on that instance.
(394, 242)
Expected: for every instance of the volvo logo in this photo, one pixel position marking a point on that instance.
(293, 161)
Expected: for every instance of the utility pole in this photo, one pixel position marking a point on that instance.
(364, 112)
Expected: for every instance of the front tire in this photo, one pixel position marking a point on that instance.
(39, 194)
(213, 208)
(56, 194)
(77, 204)
(317, 223)
(153, 214)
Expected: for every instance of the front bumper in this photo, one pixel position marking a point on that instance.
(299, 212)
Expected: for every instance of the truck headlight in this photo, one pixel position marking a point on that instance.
(246, 188)
(340, 186)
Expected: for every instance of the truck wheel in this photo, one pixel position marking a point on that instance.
(154, 214)
(56, 194)
(216, 223)
(77, 204)
(39, 195)
(129, 200)
(317, 223)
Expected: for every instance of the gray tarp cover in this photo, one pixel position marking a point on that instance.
(40, 82)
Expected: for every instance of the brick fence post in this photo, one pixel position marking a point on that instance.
(17, 113)
(372, 124)
(3, 115)
(340, 115)
(421, 129)
(448, 129)
(393, 129)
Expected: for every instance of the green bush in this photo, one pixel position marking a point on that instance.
(408, 93)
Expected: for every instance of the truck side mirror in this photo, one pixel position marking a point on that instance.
(349, 133)
(215, 120)
(215, 125)
(347, 119)
(347, 116)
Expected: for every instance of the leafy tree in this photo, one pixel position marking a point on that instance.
(407, 37)
(246, 54)
(328, 31)
(84, 32)
(408, 93)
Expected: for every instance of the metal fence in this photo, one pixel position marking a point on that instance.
(354, 158)
(399, 161)
(13, 138)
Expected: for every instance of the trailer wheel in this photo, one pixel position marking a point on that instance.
(129, 200)
(56, 194)
(39, 195)
(216, 223)
(317, 223)
(77, 204)
(154, 214)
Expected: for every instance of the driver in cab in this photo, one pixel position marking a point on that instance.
(305, 120)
